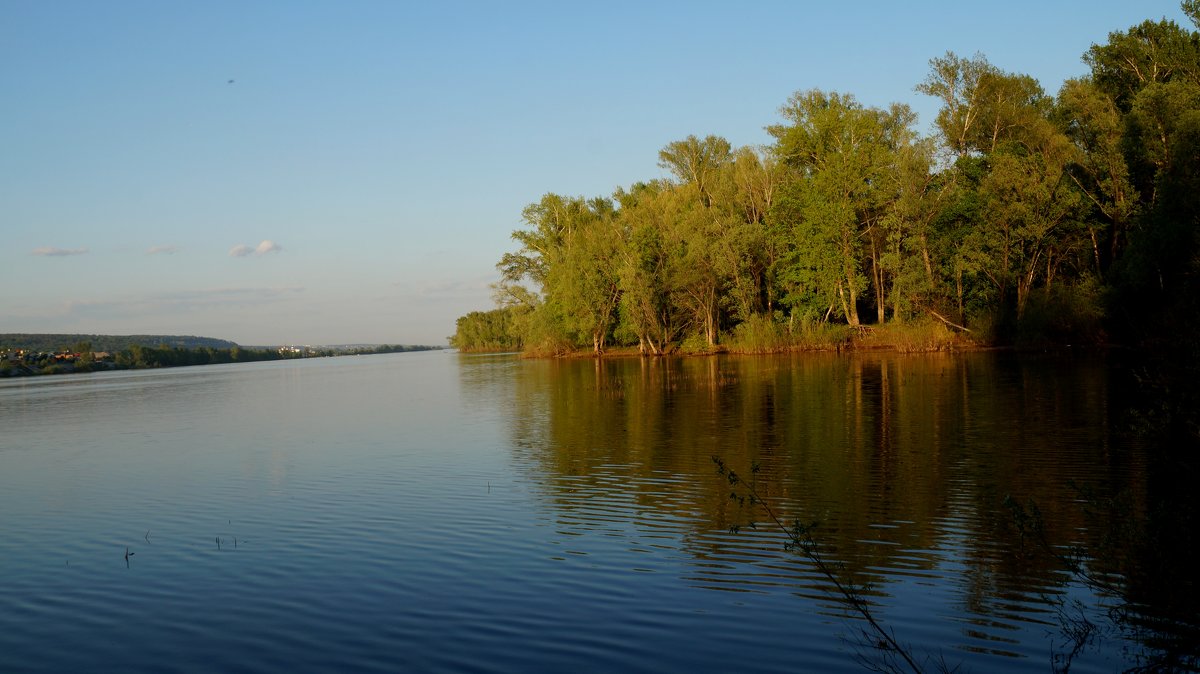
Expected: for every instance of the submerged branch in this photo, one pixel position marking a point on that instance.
(800, 539)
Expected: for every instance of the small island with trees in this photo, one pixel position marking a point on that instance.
(1026, 219)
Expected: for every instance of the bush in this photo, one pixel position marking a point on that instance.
(544, 333)
(922, 334)
(697, 344)
(1063, 314)
(765, 334)
(760, 334)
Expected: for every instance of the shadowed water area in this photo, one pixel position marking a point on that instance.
(446, 512)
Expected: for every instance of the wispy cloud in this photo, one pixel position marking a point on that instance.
(181, 301)
(51, 251)
(264, 247)
(441, 291)
(218, 312)
(450, 287)
(162, 250)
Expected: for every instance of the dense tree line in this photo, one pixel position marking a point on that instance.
(112, 343)
(138, 356)
(82, 356)
(1027, 216)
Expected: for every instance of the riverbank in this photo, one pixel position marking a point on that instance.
(908, 337)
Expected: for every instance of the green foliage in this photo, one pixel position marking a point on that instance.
(138, 356)
(544, 333)
(920, 335)
(1064, 314)
(487, 331)
(1148, 53)
(760, 334)
(1014, 221)
(110, 343)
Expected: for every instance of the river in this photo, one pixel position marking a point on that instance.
(443, 512)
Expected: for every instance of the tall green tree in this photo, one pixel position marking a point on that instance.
(1028, 210)
(842, 159)
(1148, 53)
(585, 283)
(1097, 167)
(697, 162)
(648, 267)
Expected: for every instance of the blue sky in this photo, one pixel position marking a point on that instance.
(320, 172)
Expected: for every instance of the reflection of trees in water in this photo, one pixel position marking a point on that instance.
(904, 460)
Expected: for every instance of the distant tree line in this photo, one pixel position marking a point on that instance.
(1026, 217)
(84, 356)
(385, 348)
(111, 343)
(138, 356)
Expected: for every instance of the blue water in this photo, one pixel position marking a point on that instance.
(440, 512)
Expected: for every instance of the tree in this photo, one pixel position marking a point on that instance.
(585, 282)
(570, 268)
(648, 266)
(958, 83)
(1148, 53)
(747, 252)
(696, 162)
(1026, 207)
(1097, 167)
(843, 160)
(486, 331)
(909, 227)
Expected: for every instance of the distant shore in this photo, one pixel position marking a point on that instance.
(20, 362)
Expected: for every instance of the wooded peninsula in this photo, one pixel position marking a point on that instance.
(1025, 219)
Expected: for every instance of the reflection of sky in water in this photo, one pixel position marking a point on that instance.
(432, 511)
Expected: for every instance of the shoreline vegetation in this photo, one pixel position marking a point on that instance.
(911, 337)
(23, 355)
(1026, 219)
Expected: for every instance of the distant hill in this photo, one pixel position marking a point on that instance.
(113, 343)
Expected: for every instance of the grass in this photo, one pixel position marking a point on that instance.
(914, 336)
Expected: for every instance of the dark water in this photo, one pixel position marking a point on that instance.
(438, 512)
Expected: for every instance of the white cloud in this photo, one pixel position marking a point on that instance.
(51, 251)
(267, 246)
(264, 247)
(162, 250)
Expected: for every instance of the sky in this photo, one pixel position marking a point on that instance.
(350, 172)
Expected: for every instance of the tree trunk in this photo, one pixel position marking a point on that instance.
(877, 275)
(850, 304)
(925, 256)
(958, 285)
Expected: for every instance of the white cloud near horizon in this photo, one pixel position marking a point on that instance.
(264, 247)
(51, 251)
(162, 250)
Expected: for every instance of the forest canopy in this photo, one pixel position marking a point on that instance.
(1026, 217)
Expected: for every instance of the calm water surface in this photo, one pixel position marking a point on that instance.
(445, 512)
